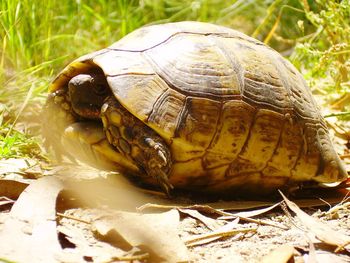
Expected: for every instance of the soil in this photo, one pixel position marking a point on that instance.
(96, 196)
(251, 247)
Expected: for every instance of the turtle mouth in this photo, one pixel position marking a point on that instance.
(87, 110)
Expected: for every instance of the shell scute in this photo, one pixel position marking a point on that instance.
(234, 113)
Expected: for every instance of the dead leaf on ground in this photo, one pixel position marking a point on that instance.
(30, 229)
(12, 188)
(5, 201)
(211, 223)
(156, 234)
(251, 213)
(281, 254)
(328, 258)
(225, 215)
(312, 252)
(325, 198)
(77, 246)
(321, 230)
(20, 169)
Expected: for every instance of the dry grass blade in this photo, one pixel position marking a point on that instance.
(246, 216)
(263, 222)
(225, 228)
(217, 206)
(321, 230)
(213, 208)
(220, 234)
(142, 257)
(257, 211)
(202, 208)
(226, 215)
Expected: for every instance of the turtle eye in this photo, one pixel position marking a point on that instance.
(100, 89)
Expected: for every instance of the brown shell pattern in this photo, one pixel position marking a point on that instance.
(234, 111)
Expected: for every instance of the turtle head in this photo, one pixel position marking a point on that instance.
(87, 93)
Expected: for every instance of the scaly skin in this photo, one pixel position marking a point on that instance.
(137, 142)
(90, 99)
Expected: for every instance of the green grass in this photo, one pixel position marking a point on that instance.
(38, 38)
(326, 51)
(17, 144)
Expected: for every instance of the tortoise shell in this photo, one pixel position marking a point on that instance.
(234, 112)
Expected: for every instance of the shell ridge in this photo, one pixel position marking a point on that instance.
(232, 58)
(218, 126)
(247, 139)
(274, 151)
(218, 97)
(224, 35)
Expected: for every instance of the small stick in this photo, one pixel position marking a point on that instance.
(130, 258)
(197, 238)
(262, 222)
(73, 218)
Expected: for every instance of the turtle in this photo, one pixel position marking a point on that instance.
(198, 107)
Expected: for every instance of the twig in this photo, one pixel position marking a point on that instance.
(345, 156)
(130, 258)
(197, 238)
(72, 218)
(342, 247)
(262, 222)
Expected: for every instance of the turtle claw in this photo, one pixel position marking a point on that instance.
(163, 181)
(162, 157)
(137, 142)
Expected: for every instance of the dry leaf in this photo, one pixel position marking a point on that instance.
(215, 208)
(312, 252)
(251, 213)
(211, 223)
(16, 168)
(329, 258)
(156, 234)
(11, 188)
(210, 210)
(5, 201)
(29, 233)
(322, 231)
(241, 215)
(281, 254)
(83, 248)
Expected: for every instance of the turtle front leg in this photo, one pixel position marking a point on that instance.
(137, 142)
